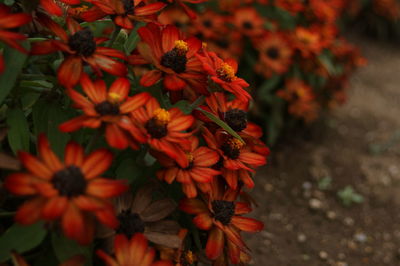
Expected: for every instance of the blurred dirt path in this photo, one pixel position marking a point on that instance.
(306, 222)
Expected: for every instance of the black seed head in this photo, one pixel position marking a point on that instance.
(232, 147)
(236, 119)
(128, 7)
(207, 23)
(69, 182)
(174, 59)
(247, 25)
(273, 53)
(107, 108)
(223, 211)
(129, 223)
(155, 129)
(223, 43)
(83, 42)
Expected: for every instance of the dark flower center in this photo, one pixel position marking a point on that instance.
(236, 119)
(232, 147)
(83, 42)
(129, 223)
(69, 182)
(107, 108)
(247, 25)
(223, 43)
(223, 211)
(175, 59)
(128, 6)
(155, 129)
(207, 23)
(273, 53)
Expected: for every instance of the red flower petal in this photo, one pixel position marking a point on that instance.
(96, 163)
(121, 87)
(107, 217)
(174, 83)
(215, 243)
(48, 156)
(51, 7)
(54, 208)
(20, 184)
(106, 188)
(115, 137)
(73, 222)
(73, 124)
(35, 166)
(203, 221)
(74, 154)
(247, 224)
(70, 71)
(30, 211)
(134, 102)
(193, 206)
(150, 78)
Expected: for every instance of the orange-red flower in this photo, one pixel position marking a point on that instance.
(275, 52)
(221, 216)
(187, 9)
(301, 99)
(292, 6)
(248, 21)
(223, 73)
(123, 12)
(163, 129)
(199, 172)
(308, 41)
(54, 7)
(106, 108)
(9, 21)
(79, 48)
(133, 252)
(234, 152)
(173, 56)
(69, 191)
(209, 25)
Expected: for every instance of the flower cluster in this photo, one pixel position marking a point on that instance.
(376, 18)
(155, 129)
(280, 43)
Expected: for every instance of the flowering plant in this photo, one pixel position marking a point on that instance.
(292, 51)
(122, 139)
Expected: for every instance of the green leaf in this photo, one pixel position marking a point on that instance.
(21, 239)
(220, 123)
(14, 62)
(184, 106)
(65, 248)
(128, 170)
(18, 134)
(46, 119)
(133, 39)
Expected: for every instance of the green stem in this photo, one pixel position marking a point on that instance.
(114, 36)
(197, 102)
(7, 214)
(93, 140)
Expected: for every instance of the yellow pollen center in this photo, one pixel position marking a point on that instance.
(181, 46)
(226, 72)
(190, 257)
(190, 157)
(162, 116)
(236, 144)
(81, 9)
(113, 97)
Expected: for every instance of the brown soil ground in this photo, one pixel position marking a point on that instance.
(306, 222)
